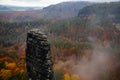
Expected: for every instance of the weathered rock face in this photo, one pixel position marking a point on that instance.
(39, 63)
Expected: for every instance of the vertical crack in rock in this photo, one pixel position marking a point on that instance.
(39, 63)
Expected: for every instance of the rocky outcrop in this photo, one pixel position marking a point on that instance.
(39, 63)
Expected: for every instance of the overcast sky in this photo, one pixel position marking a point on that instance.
(42, 3)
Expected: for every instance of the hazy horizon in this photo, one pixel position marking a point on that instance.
(42, 3)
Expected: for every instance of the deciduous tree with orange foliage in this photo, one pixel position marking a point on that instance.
(5, 74)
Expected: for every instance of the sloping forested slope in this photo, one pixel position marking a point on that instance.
(103, 11)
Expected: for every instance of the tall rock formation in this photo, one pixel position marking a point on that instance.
(38, 58)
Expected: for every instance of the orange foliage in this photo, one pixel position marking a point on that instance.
(11, 66)
(10, 50)
(72, 49)
(55, 67)
(67, 76)
(72, 77)
(4, 57)
(75, 77)
(63, 51)
(65, 70)
(5, 74)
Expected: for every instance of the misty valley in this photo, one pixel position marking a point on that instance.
(84, 39)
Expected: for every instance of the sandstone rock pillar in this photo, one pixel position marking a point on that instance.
(38, 59)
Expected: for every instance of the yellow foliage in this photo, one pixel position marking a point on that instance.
(75, 77)
(11, 66)
(6, 63)
(55, 67)
(22, 71)
(5, 74)
(67, 76)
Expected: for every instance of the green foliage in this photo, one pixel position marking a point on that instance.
(12, 33)
(1, 78)
(58, 75)
(13, 54)
(2, 65)
(19, 76)
(58, 28)
(69, 44)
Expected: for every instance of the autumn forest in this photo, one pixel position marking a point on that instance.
(84, 45)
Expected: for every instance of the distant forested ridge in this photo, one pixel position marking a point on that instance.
(103, 11)
(59, 11)
(64, 10)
